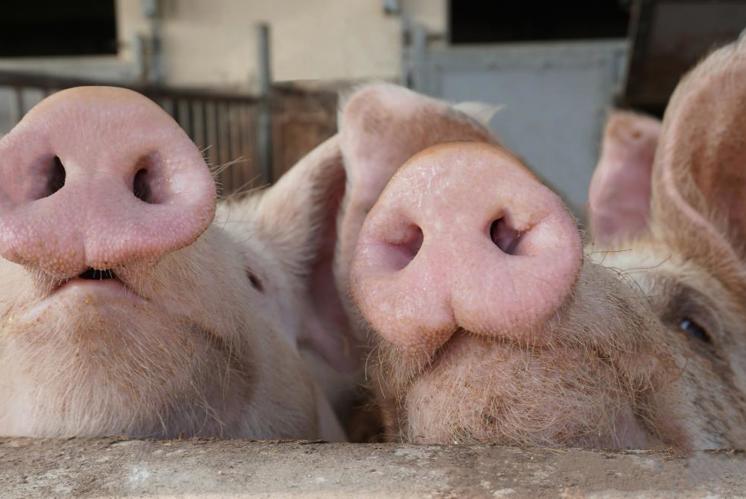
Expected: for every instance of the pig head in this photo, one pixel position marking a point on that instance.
(489, 321)
(681, 242)
(130, 305)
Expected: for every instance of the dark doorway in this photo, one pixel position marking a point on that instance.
(30, 28)
(473, 21)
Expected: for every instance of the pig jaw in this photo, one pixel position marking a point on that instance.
(598, 383)
(192, 358)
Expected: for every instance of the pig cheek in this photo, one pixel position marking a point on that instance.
(204, 284)
(18, 288)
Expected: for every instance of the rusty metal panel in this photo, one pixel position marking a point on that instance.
(668, 38)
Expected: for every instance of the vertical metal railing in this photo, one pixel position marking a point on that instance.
(264, 114)
(226, 127)
(222, 125)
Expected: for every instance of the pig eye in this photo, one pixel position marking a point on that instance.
(694, 330)
(255, 281)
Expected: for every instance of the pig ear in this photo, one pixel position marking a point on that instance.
(298, 216)
(381, 127)
(480, 111)
(619, 194)
(699, 178)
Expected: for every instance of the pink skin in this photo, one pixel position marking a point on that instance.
(467, 275)
(95, 220)
(439, 250)
(195, 330)
(639, 345)
(619, 195)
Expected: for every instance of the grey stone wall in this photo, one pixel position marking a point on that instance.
(111, 467)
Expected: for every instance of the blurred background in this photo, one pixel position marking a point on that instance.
(255, 82)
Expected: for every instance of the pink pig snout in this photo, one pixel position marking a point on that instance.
(97, 177)
(464, 237)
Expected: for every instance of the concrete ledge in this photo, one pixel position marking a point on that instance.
(111, 467)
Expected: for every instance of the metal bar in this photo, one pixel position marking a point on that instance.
(249, 147)
(264, 118)
(210, 149)
(17, 104)
(418, 79)
(186, 115)
(244, 143)
(34, 80)
(168, 105)
(217, 142)
(177, 114)
(198, 112)
(237, 126)
(222, 148)
(234, 153)
(228, 140)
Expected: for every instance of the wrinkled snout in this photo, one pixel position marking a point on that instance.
(464, 237)
(98, 177)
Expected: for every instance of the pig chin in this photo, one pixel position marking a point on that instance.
(481, 390)
(104, 362)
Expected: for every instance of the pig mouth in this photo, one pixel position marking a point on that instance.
(462, 340)
(96, 279)
(412, 367)
(95, 274)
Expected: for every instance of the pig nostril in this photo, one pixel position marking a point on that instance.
(56, 176)
(504, 236)
(403, 249)
(48, 177)
(140, 186)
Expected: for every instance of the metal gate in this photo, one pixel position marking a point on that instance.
(554, 99)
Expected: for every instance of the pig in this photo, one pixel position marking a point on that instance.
(489, 316)
(133, 304)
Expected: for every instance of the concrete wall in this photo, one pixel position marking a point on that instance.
(234, 468)
(213, 43)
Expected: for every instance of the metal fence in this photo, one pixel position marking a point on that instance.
(222, 125)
